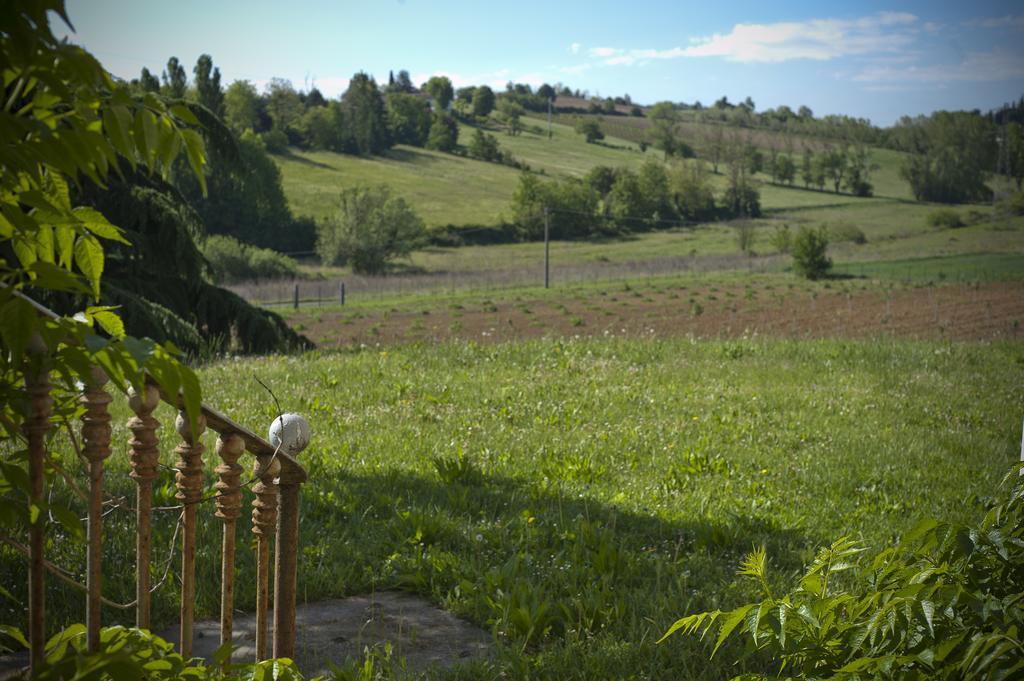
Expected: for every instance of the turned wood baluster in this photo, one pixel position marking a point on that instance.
(95, 448)
(37, 424)
(144, 457)
(190, 492)
(229, 507)
(264, 523)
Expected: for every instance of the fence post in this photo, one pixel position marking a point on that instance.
(341, 292)
(296, 297)
(229, 507)
(145, 455)
(190, 493)
(96, 447)
(37, 384)
(264, 520)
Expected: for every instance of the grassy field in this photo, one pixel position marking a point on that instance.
(575, 497)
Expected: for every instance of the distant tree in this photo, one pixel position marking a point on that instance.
(1015, 152)
(636, 111)
(464, 96)
(440, 90)
(741, 199)
(833, 163)
(444, 133)
(207, 82)
(858, 171)
(408, 119)
(609, 105)
(313, 98)
(546, 91)
(363, 108)
(483, 101)
(809, 249)
(785, 169)
(805, 112)
(954, 154)
(175, 82)
(283, 104)
(571, 206)
(654, 185)
(600, 179)
(589, 128)
(148, 82)
(807, 168)
(664, 117)
(715, 146)
(748, 104)
(511, 113)
(403, 83)
(691, 191)
(371, 227)
(323, 127)
(240, 106)
(484, 147)
(723, 103)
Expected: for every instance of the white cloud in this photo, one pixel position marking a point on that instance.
(816, 39)
(995, 65)
(575, 48)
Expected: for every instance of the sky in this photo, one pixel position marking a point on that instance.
(875, 60)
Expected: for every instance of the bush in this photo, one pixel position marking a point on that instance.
(809, 253)
(231, 260)
(590, 129)
(943, 603)
(744, 235)
(945, 218)
(844, 231)
(276, 141)
(485, 147)
(742, 200)
(781, 239)
(1013, 204)
(444, 133)
(370, 228)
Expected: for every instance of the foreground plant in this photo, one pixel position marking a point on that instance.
(947, 602)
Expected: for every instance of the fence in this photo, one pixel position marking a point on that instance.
(275, 507)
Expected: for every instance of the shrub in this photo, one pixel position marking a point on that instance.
(945, 218)
(744, 235)
(844, 231)
(781, 239)
(276, 141)
(943, 603)
(370, 228)
(231, 260)
(809, 253)
(742, 200)
(485, 147)
(590, 129)
(444, 133)
(1013, 204)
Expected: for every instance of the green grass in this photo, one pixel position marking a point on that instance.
(974, 267)
(577, 497)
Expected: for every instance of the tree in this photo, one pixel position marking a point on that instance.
(207, 82)
(371, 227)
(283, 105)
(833, 164)
(785, 169)
(313, 98)
(546, 91)
(510, 113)
(363, 108)
(464, 97)
(809, 249)
(484, 147)
(483, 101)
(444, 133)
(589, 128)
(807, 168)
(323, 127)
(440, 90)
(408, 119)
(600, 179)
(953, 154)
(1015, 152)
(692, 192)
(805, 113)
(175, 80)
(570, 204)
(664, 117)
(715, 146)
(148, 82)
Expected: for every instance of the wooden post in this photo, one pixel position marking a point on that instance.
(190, 492)
(286, 551)
(229, 507)
(145, 455)
(264, 522)
(37, 384)
(547, 249)
(96, 448)
(341, 291)
(296, 297)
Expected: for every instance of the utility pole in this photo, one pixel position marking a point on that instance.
(549, 117)
(547, 248)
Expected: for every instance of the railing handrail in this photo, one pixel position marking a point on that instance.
(275, 513)
(217, 421)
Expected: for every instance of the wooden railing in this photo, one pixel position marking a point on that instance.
(275, 508)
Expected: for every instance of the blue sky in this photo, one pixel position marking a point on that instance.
(878, 60)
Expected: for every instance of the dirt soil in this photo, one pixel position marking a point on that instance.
(962, 312)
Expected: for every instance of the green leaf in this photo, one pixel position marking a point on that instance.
(928, 608)
(57, 278)
(192, 394)
(70, 520)
(181, 111)
(89, 259)
(196, 153)
(65, 238)
(17, 320)
(14, 633)
(731, 621)
(44, 244)
(25, 250)
(96, 223)
(108, 320)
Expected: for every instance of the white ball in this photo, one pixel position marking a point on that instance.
(290, 432)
